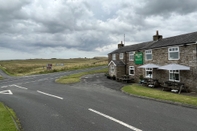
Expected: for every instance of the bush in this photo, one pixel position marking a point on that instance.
(114, 77)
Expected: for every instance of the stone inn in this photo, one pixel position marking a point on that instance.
(181, 49)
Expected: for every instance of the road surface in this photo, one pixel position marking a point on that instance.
(90, 105)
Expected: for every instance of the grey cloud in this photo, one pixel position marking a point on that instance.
(63, 18)
(167, 7)
(87, 25)
(12, 9)
(12, 5)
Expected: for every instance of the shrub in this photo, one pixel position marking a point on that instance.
(114, 77)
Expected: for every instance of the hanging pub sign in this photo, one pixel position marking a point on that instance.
(138, 58)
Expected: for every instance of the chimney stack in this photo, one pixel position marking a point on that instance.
(157, 36)
(120, 45)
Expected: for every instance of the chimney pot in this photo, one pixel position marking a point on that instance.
(157, 36)
(120, 45)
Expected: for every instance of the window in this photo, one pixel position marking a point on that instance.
(148, 54)
(131, 55)
(131, 70)
(173, 53)
(113, 56)
(149, 72)
(174, 75)
(112, 69)
(121, 55)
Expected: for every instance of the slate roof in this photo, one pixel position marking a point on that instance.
(189, 38)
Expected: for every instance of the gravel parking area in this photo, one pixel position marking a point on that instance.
(102, 80)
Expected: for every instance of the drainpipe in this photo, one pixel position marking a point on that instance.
(125, 63)
(196, 56)
(196, 53)
(195, 75)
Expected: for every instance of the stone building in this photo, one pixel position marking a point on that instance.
(181, 49)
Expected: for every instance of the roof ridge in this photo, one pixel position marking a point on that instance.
(180, 35)
(188, 38)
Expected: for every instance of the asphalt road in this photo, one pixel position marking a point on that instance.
(94, 104)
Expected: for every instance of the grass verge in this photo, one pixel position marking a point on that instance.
(6, 119)
(1, 78)
(161, 95)
(76, 77)
(4, 70)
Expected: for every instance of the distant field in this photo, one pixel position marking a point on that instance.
(38, 66)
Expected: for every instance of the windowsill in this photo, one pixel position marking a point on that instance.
(174, 80)
(173, 59)
(149, 60)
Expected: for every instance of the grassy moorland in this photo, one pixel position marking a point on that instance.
(1, 77)
(38, 66)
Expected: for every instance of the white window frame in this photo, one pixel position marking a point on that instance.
(147, 75)
(112, 68)
(173, 72)
(173, 50)
(121, 56)
(132, 68)
(148, 52)
(113, 56)
(131, 55)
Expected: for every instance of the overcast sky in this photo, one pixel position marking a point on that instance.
(87, 28)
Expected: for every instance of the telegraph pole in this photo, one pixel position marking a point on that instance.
(124, 39)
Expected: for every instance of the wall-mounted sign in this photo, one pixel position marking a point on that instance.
(138, 58)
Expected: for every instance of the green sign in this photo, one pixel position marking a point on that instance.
(138, 58)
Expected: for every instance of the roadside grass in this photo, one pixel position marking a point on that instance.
(139, 90)
(1, 78)
(38, 66)
(74, 78)
(6, 121)
(4, 69)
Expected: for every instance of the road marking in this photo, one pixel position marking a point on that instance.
(6, 92)
(4, 86)
(115, 120)
(49, 95)
(19, 87)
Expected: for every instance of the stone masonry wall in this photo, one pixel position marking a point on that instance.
(138, 71)
(187, 58)
(120, 71)
(160, 57)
